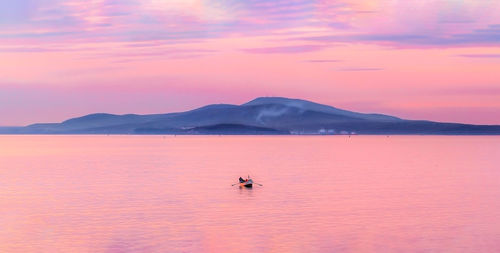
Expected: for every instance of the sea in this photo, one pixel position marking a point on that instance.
(154, 193)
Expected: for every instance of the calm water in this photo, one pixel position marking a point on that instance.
(320, 194)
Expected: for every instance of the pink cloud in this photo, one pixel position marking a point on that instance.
(285, 49)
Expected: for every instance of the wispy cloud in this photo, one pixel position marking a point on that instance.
(489, 36)
(285, 49)
(359, 69)
(322, 61)
(480, 55)
(123, 56)
(43, 49)
(398, 23)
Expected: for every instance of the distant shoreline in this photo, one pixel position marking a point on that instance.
(261, 116)
(298, 135)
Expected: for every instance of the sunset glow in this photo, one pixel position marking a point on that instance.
(435, 59)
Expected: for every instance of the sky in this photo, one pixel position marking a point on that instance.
(415, 59)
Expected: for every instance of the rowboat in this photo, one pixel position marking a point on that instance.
(247, 183)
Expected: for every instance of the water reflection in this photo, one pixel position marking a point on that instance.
(245, 191)
(166, 194)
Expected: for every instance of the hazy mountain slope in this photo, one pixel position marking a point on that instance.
(267, 115)
(311, 106)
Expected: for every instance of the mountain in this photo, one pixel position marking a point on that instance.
(264, 115)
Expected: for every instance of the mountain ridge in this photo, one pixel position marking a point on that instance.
(262, 115)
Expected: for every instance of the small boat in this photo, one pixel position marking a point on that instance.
(246, 182)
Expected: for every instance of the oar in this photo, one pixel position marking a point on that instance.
(235, 184)
(257, 183)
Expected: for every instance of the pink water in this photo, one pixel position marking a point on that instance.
(319, 194)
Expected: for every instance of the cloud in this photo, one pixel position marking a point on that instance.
(400, 23)
(28, 50)
(480, 55)
(131, 20)
(359, 69)
(487, 36)
(35, 35)
(322, 61)
(140, 54)
(35, 49)
(285, 49)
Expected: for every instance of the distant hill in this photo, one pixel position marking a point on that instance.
(264, 115)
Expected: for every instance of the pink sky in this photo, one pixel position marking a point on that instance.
(436, 60)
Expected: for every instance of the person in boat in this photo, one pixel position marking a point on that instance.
(242, 180)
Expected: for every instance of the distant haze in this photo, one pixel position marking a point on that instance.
(435, 60)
